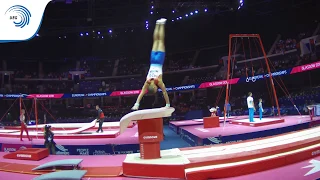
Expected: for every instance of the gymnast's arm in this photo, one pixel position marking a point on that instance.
(164, 91)
(143, 92)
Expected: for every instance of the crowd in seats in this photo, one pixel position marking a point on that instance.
(55, 75)
(131, 66)
(290, 43)
(285, 45)
(53, 69)
(171, 79)
(97, 67)
(174, 79)
(172, 62)
(23, 74)
(45, 87)
(302, 99)
(132, 83)
(279, 62)
(90, 86)
(57, 69)
(79, 111)
(178, 61)
(35, 75)
(210, 56)
(205, 76)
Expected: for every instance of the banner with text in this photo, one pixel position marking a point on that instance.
(251, 79)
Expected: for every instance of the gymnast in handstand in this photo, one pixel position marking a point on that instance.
(154, 77)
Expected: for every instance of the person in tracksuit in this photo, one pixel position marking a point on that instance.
(260, 109)
(100, 118)
(48, 140)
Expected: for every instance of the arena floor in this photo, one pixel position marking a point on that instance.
(194, 160)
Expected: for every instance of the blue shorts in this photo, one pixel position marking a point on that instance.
(157, 57)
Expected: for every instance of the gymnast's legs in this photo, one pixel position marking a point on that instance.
(158, 36)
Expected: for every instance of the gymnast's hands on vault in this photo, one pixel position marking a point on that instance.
(145, 87)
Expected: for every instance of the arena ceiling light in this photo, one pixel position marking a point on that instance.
(240, 4)
(187, 15)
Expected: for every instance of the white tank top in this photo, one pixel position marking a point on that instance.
(22, 118)
(155, 71)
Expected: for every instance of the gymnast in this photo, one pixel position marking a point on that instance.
(260, 109)
(154, 76)
(23, 124)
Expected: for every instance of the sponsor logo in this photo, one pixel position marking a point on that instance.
(261, 76)
(24, 155)
(214, 140)
(253, 79)
(9, 149)
(218, 83)
(186, 137)
(96, 94)
(179, 88)
(135, 135)
(89, 95)
(201, 129)
(19, 15)
(310, 66)
(62, 150)
(129, 92)
(45, 95)
(236, 141)
(142, 150)
(100, 152)
(78, 95)
(150, 137)
(184, 87)
(22, 147)
(13, 149)
(126, 152)
(12, 95)
(314, 153)
(315, 165)
(83, 151)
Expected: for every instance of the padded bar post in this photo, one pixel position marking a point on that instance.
(150, 136)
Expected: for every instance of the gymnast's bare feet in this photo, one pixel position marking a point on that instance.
(161, 21)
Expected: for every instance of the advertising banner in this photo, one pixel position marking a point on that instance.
(125, 93)
(254, 135)
(219, 83)
(173, 127)
(307, 67)
(45, 96)
(298, 69)
(14, 147)
(126, 148)
(191, 139)
(83, 95)
(252, 79)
